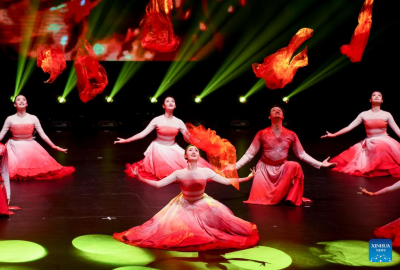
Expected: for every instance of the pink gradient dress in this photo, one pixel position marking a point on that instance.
(164, 155)
(193, 221)
(25, 159)
(277, 179)
(3, 200)
(378, 154)
(390, 231)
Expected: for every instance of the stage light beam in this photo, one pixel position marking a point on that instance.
(61, 99)
(197, 99)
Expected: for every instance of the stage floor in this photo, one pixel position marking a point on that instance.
(68, 223)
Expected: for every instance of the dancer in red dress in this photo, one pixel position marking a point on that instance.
(192, 221)
(391, 230)
(3, 194)
(278, 179)
(378, 154)
(26, 159)
(164, 155)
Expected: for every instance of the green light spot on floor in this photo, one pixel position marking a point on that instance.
(134, 268)
(349, 252)
(17, 251)
(16, 267)
(104, 249)
(259, 258)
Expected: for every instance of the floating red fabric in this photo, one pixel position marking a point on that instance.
(157, 29)
(360, 36)
(51, 60)
(220, 152)
(92, 77)
(279, 69)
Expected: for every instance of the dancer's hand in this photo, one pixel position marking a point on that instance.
(365, 192)
(327, 164)
(8, 201)
(58, 148)
(328, 135)
(252, 172)
(136, 174)
(120, 140)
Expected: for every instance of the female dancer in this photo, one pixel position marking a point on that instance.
(378, 154)
(192, 221)
(164, 155)
(3, 194)
(391, 230)
(25, 157)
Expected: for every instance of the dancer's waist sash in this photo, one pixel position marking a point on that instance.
(271, 162)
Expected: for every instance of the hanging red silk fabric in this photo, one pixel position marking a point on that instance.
(220, 152)
(279, 68)
(92, 77)
(51, 59)
(157, 29)
(360, 36)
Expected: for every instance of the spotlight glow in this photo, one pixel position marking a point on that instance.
(18, 251)
(197, 99)
(153, 100)
(12, 98)
(61, 99)
(285, 99)
(109, 99)
(242, 99)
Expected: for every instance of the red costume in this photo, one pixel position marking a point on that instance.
(25, 158)
(390, 231)
(3, 194)
(193, 221)
(164, 155)
(277, 179)
(378, 154)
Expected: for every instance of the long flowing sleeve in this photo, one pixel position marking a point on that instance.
(251, 152)
(40, 130)
(393, 125)
(5, 128)
(216, 177)
(150, 127)
(301, 154)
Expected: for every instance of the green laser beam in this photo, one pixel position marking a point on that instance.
(337, 63)
(252, 50)
(71, 82)
(25, 45)
(251, 43)
(330, 68)
(181, 65)
(260, 84)
(128, 70)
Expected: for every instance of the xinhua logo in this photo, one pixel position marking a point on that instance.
(380, 250)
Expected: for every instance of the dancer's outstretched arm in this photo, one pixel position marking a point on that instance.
(301, 154)
(45, 138)
(162, 183)
(150, 127)
(5, 128)
(226, 181)
(251, 152)
(353, 124)
(391, 188)
(393, 125)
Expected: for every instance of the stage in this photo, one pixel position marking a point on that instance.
(68, 223)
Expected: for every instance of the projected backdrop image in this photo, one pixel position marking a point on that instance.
(164, 30)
